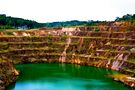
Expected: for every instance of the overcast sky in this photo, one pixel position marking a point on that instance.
(65, 10)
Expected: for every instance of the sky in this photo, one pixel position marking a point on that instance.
(66, 10)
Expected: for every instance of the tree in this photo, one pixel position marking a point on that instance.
(12, 22)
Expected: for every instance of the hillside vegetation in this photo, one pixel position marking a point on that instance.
(8, 22)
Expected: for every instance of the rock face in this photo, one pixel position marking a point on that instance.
(108, 46)
(127, 80)
(8, 74)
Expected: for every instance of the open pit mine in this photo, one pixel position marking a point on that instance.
(110, 46)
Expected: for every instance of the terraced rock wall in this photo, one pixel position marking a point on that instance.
(87, 50)
(107, 47)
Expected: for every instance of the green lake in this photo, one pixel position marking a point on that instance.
(64, 77)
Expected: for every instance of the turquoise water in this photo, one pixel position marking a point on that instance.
(64, 77)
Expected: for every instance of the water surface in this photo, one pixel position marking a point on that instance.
(64, 77)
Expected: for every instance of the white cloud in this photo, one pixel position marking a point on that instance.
(62, 10)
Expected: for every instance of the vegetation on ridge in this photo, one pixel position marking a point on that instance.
(8, 22)
(126, 17)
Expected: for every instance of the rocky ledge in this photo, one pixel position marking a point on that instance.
(8, 74)
(127, 80)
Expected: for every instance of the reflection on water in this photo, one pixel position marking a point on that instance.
(64, 77)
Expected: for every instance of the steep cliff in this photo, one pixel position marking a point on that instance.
(8, 73)
(109, 46)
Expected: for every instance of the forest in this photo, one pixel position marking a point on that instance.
(8, 22)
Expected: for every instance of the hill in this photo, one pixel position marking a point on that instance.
(8, 22)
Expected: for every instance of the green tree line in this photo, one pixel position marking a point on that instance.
(126, 17)
(72, 23)
(8, 22)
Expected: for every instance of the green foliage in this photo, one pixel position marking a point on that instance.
(71, 23)
(9, 33)
(92, 23)
(126, 17)
(97, 30)
(6, 27)
(64, 24)
(64, 37)
(7, 22)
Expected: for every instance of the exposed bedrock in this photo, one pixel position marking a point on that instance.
(101, 46)
(8, 73)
